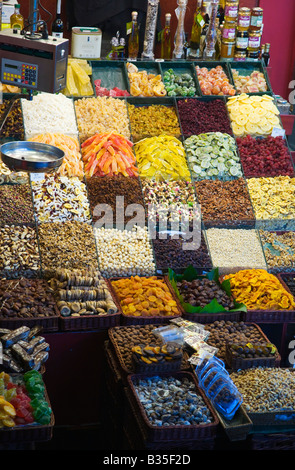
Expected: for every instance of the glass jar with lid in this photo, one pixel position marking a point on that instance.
(256, 19)
(242, 40)
(253, 55)
(229, 30)
(227, 49)
(231, 10)
(244, 18)
(240, 55)
(254, 41)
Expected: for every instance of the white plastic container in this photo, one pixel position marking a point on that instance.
(86, 43)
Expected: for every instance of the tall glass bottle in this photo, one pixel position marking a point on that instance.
(57, 25)
(150, 30)
(211, 36)
(196, 31)
(206, 13)
(133, 41)
(220, 13)
(178, 52)
(166, 38)
(266, 54)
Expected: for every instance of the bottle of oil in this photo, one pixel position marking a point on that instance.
(17, 19)
(133, 42)
(220, 13)
(166, 39)
(197, 27)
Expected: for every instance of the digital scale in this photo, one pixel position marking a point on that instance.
(35, 64)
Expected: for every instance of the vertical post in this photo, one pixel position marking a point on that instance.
(33, 14)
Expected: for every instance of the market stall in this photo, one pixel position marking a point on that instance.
(184, 346)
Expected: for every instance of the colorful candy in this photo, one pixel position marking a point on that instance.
(108, 154)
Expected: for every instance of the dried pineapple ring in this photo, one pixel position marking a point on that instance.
(261, 111)
(245, 109)
(254, 118)
(238, 130)
(241, 120)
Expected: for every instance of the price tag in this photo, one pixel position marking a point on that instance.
(200, 20)
(37, 177)
(278, 132)
(128, 27)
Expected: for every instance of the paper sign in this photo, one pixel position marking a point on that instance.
(37, 177)
(278, 132)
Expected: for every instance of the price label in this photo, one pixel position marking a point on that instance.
(128, 27)
(278, 132)
(36, 177)
(200, 20)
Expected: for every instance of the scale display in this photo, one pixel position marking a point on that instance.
(18, 73)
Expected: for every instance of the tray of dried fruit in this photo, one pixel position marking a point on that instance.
(144, 300)
(203, 298)
(250, 77)
(214, 78)
(109, 78)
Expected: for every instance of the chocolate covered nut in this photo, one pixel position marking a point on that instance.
(14, 336)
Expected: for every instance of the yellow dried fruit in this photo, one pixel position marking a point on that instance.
(260, 290)
(155, 298)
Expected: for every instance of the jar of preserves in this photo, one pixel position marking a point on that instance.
(231, 10)
(253, 55)
(244, 18)
(254, 41)
(242, 40)
(240, 55)
(229, 30)
(256, 19)
(227, 49)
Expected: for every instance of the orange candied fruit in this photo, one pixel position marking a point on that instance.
(145, 296)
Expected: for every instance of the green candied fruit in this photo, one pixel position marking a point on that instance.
(213, 155)
(170, 88)
(191, 91)
(42, 413)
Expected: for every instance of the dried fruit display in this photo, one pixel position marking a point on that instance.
(251, 83)
(265, 157)
(143, 83)
(214, 81)
(253, 115)
(145, 296)
(260, 290)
